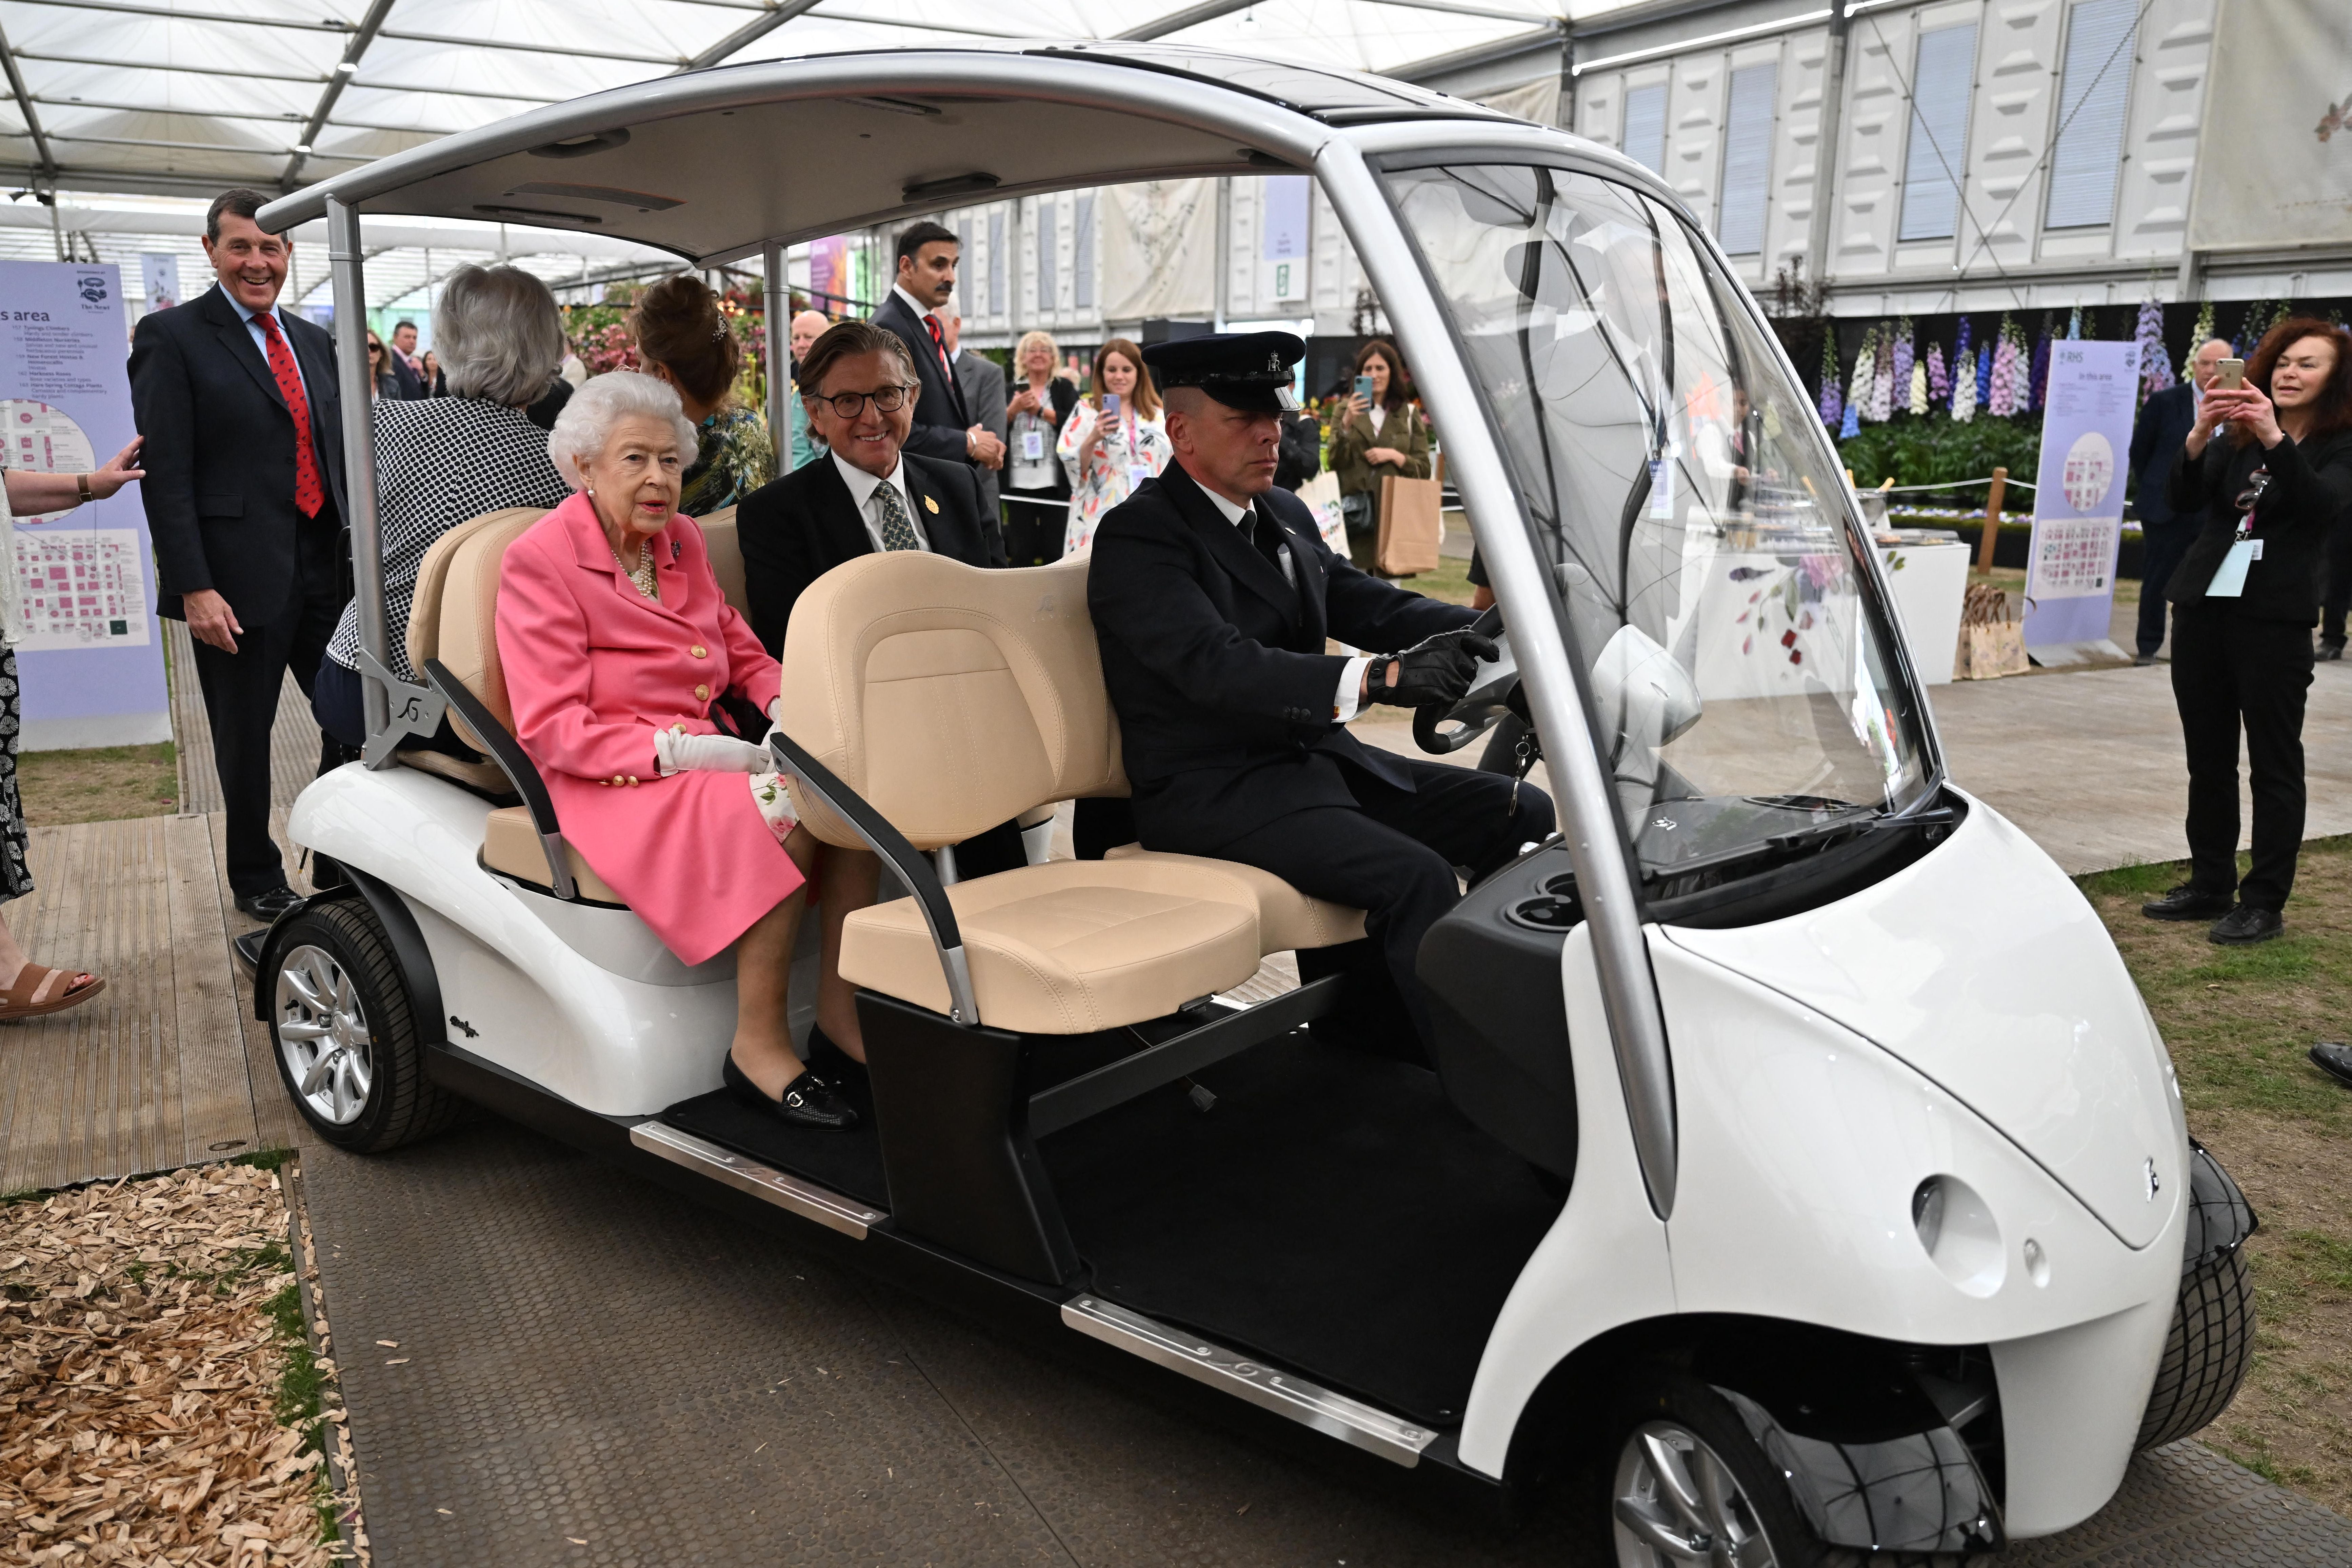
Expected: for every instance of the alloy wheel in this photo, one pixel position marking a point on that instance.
(322, 1036)
(1676, 1501)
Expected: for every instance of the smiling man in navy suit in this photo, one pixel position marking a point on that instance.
(1213, 593)
(236, 400)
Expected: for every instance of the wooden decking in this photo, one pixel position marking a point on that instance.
(167, 1067)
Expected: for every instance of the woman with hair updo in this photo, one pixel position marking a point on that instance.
(618, 647)
(441, 461)
(684, 340)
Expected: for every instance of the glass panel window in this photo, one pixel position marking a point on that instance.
(996, 261)
(2094, 94)
(1747, 158)
(1082, 252)
(1742, 670)
(1049, 236)
(1941, 84)
(1645, 127)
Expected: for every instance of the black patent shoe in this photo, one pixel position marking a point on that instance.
(2244, 926)
(2329, 651)
(2335, 1060)
(2186, 902)
(807, 1101)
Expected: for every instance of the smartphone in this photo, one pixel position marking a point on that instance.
(1110, 405)
(2230, 374)
(1364, 388)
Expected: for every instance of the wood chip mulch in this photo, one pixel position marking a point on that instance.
(142, 1378)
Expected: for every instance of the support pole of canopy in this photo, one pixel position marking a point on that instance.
(779, 305)
(359, 448)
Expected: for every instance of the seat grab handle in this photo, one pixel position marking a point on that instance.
(521, 771)
(903, 859)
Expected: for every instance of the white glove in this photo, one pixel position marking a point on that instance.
(677, 751)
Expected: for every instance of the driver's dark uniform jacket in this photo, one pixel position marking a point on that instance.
(1213, 657)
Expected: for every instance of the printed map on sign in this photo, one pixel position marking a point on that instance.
(2071, 559)
(81, 588)
(45, 440)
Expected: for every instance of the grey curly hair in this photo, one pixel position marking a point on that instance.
(499, 334)
(586, 426)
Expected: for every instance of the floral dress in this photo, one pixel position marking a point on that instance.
(734, 459)
(1135, 451)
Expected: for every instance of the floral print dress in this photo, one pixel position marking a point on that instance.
(734, 459)
(1135, 452)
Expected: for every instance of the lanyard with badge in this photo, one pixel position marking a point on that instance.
(2230, 577)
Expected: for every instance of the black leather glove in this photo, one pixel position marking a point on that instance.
(1437, 669)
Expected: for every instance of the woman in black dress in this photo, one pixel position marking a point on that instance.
(2268, 467)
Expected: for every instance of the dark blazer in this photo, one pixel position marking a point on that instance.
(941, 416)
(219, 452)
(2163, 425)
(2310, 488)
(982, 385)
(1216, 664)
(412, 380)
(795, 531)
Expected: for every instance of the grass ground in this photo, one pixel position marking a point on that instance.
(2238, 1021)
(98, 784)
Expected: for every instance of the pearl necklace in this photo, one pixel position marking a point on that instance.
(643, 575)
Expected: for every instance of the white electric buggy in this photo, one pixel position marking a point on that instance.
(1798, 1174)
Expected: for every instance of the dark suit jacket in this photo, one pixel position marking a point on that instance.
(1216, 664)
(804, 525)
(2310, 490)
(412, 380)
(219, 453)
(941, 416)
(982, 385)
(2157, 436)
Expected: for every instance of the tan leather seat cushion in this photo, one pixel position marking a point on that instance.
(459, 579)
(1070, 946)
(726, 557)
(484, 778)
(511, 845)
(1286, 919)
(424, 606)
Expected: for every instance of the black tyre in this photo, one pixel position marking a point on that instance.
(2207, 1352)
(345, 1034)
(1686, 1483)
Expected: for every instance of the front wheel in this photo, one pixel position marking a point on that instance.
(346, 1037)
(1689, 1485)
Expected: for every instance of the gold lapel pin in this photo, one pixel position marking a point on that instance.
(930, 505)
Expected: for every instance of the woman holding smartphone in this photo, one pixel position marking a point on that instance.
(1036, 491)
(1112, 442)
(1378, 434)
(2267, 467)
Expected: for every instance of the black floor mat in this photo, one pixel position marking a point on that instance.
(849, 1163)
(1332, 1213)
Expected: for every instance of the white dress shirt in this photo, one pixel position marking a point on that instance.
(1345, 701)
(261, 337)
(863, 487)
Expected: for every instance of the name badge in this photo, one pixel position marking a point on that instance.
(1135, 474)
(1662, 489)
(2230, 577)
(1033, 444)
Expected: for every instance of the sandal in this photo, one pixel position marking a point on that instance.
(40, 990)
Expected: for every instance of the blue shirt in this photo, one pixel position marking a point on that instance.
(261, 337)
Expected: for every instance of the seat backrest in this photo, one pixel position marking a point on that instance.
(463, 568)
(726, 557)
(950, 697)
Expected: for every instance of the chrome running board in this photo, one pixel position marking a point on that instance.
(1333, 1415)
(805, 1199)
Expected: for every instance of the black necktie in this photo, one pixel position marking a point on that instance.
(1266, 534)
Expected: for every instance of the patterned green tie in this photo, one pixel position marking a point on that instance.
(897, 528)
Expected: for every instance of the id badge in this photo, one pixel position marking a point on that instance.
(1135, 474)
(1033, 444)
(1662, 489)
(2230, 577)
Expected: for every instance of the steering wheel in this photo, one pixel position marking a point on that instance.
(1442, 731)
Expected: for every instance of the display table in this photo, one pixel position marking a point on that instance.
(1930, 577)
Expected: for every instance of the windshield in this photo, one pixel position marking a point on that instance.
(1744, 691)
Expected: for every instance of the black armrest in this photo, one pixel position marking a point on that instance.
(516, 764)
(902, 857)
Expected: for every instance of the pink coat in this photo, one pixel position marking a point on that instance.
(593, 668)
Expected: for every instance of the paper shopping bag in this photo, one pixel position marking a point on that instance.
(1410, 526)
(1321, 495)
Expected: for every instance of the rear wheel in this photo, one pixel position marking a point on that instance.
(346, 1038)
(1689, 1485)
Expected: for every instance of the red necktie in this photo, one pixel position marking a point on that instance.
(308, 495)
(939, 342)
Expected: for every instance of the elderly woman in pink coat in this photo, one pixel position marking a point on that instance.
(617, 643)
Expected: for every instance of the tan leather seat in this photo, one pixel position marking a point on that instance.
(726, 557)
(951, 699)
(511, 845)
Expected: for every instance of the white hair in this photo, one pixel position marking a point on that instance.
(499, 333)
(586, 426)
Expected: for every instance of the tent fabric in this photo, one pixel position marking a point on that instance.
(1160, 249)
